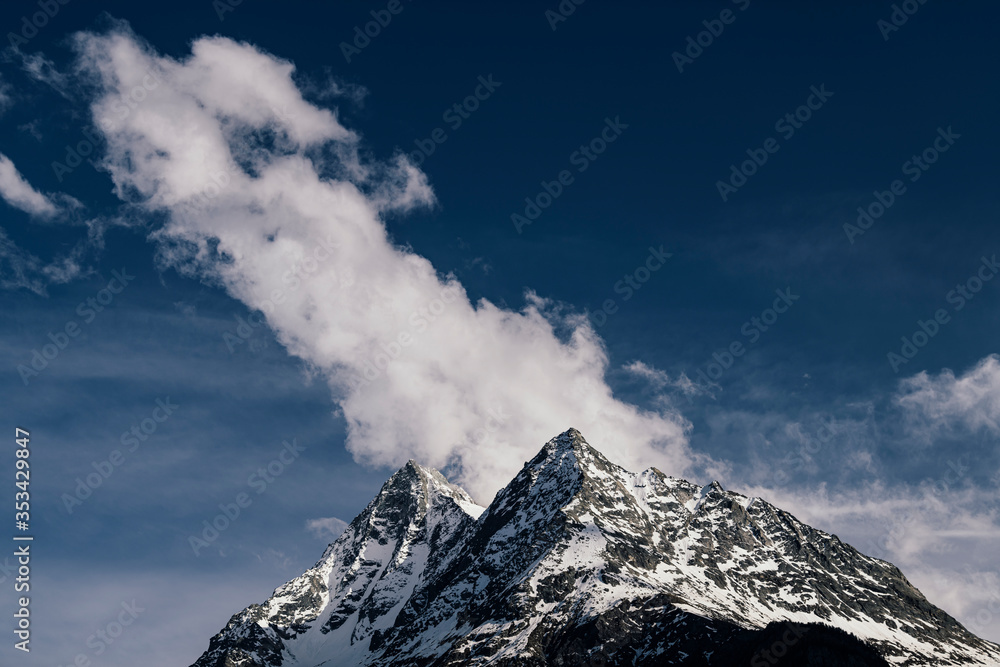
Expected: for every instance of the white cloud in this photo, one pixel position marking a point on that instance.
(18, 192)
(660, 380)
(332, 88)
(943, 403)
(326, 528)
(256, 182)
(43, 70)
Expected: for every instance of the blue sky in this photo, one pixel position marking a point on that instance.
(576, 250)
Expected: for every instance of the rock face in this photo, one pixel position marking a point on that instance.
(580, 562)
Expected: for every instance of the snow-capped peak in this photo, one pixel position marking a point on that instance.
(575, 558)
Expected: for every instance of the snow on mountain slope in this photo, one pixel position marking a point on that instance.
(405, 535)
(577, 558)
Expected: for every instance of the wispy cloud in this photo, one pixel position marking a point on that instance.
(332, 88)
(19, 269)
(43, 70)
(947, 404)
(659, 380)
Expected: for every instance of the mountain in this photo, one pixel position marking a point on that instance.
(579, 562)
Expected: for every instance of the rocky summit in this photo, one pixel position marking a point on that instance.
(578, 561)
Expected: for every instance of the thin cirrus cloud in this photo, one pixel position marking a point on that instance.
(265, 194)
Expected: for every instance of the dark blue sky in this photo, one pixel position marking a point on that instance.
(897, 435)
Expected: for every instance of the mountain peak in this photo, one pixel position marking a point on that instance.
(561, 465)
(572, 447)
(413, 482)
(572, 433)
(569, 439)
(412, 472)
(412, 469)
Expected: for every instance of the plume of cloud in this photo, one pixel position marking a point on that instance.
(266, 194)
